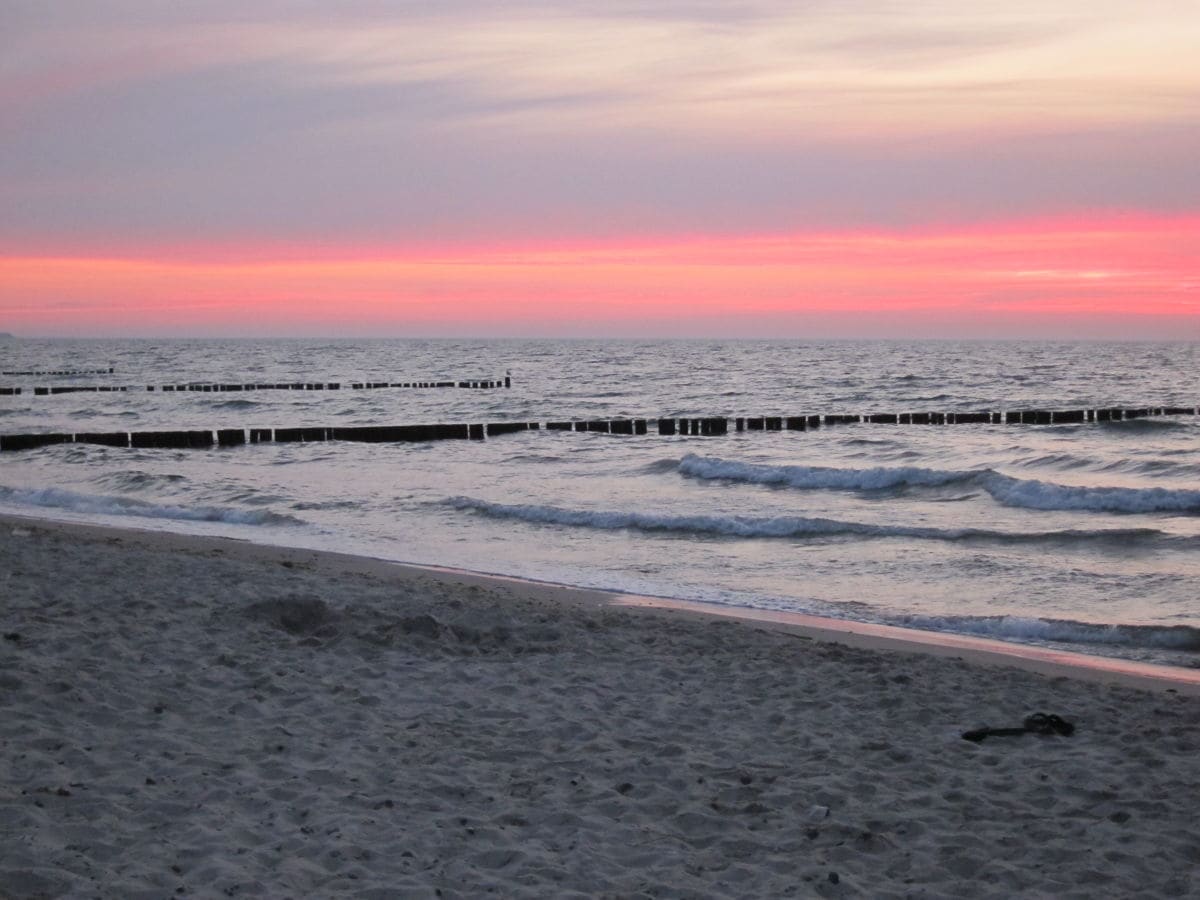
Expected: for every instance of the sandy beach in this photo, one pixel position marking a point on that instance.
(206, 718)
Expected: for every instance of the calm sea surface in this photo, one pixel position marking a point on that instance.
(1082, 536)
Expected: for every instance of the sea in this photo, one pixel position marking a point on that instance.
(1082, 536)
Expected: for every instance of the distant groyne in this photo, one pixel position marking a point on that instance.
(222, 388)
(58, 372)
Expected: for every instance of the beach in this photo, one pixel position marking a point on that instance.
(660, 451)
(1078, 536)
(190, 716)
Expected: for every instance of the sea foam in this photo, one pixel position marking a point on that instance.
(819, 477)
(1025, 493)
(93, 504)
(777, 526)
(1046, 495)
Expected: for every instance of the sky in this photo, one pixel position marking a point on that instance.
(814, 168)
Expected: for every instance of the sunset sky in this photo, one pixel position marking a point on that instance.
(805, 169)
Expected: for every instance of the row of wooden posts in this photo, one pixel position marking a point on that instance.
(706, 426)
(233, 437)
(485, 384)
(107, 371)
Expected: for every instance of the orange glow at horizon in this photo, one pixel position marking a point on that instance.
(1122, 268)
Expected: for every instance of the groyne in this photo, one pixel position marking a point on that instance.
(221, 388)
(61, 372)
(706, 426)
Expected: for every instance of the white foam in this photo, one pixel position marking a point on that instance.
(769, 527)
(1044, 495)
(91, 504)
(1005, 489)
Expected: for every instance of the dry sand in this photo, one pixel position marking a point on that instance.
(208, 718)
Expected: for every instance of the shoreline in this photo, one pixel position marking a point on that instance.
(864, 635)
(196, 716)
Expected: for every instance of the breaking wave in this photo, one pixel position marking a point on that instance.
(55, 498)
(1183, 638)
(819, 477)
(1033, 494)
(779, 526)
(1024, 493)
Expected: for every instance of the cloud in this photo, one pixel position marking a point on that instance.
(665, 67)
(380, 120)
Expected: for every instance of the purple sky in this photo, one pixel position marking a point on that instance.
(138, 128)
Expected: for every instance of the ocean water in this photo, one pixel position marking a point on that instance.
(1078, 536)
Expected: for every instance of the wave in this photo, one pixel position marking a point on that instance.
(1056, 461)
(1162, 468)
(55, 498)
(137, 480)
(783, 526)
(869, 442)
(1023, 493)
(1159, 637)
(660, 466)
(1044, 495)
(819, 477)
(1138, 426)
(236, 404)
(327, 504)
(533, 458)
